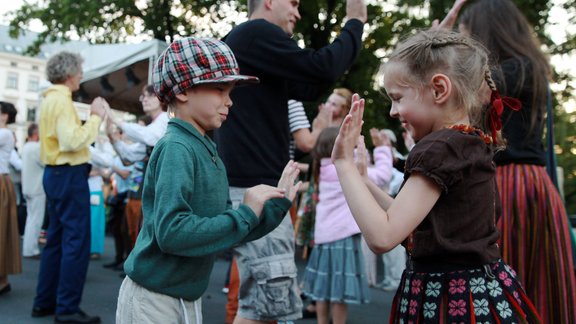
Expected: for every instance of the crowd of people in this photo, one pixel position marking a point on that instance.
(469, 223)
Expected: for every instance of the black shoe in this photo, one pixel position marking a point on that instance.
(41, 312)
(79, 317)
(308, 314)
(119, 267)
(5, 289)
(112, 265)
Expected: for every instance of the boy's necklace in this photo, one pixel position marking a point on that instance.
(467, 129)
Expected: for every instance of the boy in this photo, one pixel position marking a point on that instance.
(188, 217)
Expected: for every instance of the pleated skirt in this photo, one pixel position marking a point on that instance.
(488, 294)
(10, 259)
(335, 273)
(535, 240)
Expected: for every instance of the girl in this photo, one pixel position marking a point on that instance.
(535, 229)
(338, 102)
(335, 274)
(10, 260)
(447, 208)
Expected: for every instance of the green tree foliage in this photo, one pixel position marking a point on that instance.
(109, 21)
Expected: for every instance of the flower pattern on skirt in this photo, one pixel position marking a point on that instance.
(484, 295)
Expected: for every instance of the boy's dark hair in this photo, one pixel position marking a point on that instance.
(9, 109)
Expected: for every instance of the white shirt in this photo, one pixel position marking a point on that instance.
(142, 136)
(6, 147)
(32, 169)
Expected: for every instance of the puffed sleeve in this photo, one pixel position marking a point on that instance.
(438, 157)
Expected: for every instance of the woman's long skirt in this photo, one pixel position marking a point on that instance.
(10, 259)
(535, 240)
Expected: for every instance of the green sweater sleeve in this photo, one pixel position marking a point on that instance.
(272, 215)
(187, 219)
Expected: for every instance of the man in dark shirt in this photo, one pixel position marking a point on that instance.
(254, 142)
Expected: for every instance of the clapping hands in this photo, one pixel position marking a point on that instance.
(256, 197)
(349, 132)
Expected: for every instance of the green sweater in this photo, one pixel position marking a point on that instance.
(188, 217)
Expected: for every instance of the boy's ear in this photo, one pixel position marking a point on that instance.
(441, 87)
(182, 97)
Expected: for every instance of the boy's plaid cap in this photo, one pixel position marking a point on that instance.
(191, 61)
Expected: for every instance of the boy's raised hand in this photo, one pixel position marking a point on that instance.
(349, 132)
(256, 197)
(288, 180)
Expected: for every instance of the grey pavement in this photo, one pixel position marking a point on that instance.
(102, 285)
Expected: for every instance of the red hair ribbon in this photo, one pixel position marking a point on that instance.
(497, 109)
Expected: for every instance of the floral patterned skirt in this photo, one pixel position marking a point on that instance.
(490, 294)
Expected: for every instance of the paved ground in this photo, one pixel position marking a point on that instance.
(102, 286)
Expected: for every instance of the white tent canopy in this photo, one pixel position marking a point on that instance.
(118, 72)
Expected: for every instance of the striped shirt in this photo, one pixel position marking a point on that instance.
(297, 119)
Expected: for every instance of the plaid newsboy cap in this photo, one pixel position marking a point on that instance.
(191, 61)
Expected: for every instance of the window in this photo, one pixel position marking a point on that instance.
(33, 83)
(34, 67)
(13, 64)
(31, 113)
(12, 81)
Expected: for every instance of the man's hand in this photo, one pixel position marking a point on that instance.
(356, 9)
(450, 19)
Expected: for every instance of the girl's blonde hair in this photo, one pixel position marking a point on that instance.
(460, 58)
(347, 95)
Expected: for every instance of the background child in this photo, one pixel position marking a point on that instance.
(447, 208)
(188, 218)
(335, 275)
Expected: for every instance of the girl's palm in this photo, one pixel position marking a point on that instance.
(349, 132)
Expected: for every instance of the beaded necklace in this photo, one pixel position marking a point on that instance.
(467, 129)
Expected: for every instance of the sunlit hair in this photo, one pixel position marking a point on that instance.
(501, 27)
(8, 109)
(347, 95)
(63, 65)
(464, 61)
(323, 148)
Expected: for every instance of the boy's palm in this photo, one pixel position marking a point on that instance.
(288, 180)
(256, 197)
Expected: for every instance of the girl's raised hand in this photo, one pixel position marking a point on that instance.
(349, 132)
(450, 19)
(362, 157)
(288, 180)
